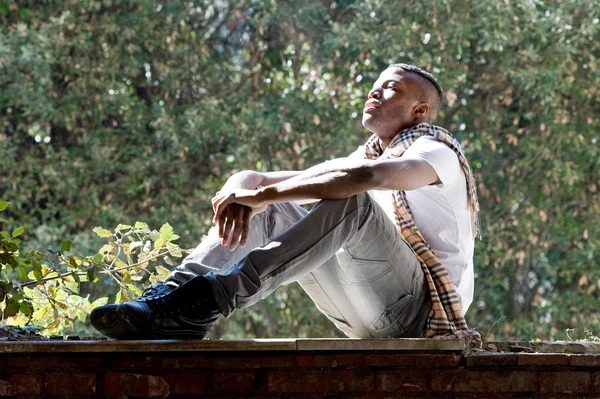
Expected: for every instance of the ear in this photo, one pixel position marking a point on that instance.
(420, 110)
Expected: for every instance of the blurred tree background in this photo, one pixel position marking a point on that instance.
(121, 110)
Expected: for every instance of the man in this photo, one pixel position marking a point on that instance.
(386, 252)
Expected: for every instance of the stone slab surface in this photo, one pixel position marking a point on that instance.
(578, 347)
(150, 346)
(388, 344)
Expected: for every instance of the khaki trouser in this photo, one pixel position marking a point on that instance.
(346, 254)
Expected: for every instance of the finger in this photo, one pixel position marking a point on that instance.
(219, 207)
(237, 229)
(228, 225)
(215, 200)
(222, 219)
(246, 225)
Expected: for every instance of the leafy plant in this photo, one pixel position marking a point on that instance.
(45, 288)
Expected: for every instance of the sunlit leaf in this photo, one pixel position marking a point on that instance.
(100, 232)
(122, 227)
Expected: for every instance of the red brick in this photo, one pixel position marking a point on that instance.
(196, 362)
(320, 381)
(277, 361)
(132, 361)
(33, 361)
(26, 384)
(484, 381)
(138, 385)
(437, 360)
(6, 388)
(300, 381)
(187, 383)
(492, 360)
(57, 362)
(305, 361)
(233, 381)
(397, 360)
(233, 363)
(584, 360)
(170, 363)
(402, 381)
(596, 382)
(565, 382)
(351, 359)
(353, 381)
(69, 383)
(543, 359)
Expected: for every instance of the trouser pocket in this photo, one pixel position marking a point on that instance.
(379, 294)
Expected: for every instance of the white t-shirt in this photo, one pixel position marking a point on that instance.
(441, 213)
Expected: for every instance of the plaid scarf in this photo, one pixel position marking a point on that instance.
(446, 315)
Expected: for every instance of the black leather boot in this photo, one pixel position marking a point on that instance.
(189, 311)
(106, 320)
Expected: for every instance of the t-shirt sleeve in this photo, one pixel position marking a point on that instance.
(358, 154)
(437, 154)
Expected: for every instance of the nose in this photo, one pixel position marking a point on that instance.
(374, 93)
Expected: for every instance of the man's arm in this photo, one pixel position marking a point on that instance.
(250, 179)
(235, 218)
(340, 178)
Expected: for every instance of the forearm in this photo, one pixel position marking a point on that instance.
(335, 179)
(250, 179)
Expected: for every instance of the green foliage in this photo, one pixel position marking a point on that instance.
(48, 293)
(113, 111)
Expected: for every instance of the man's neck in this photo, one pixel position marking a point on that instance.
(386, 139)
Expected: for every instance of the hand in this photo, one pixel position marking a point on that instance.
(234, 224)
(234, 210)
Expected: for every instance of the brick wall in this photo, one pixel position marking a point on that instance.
(356, 374)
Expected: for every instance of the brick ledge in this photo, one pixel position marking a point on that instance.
(308, 344)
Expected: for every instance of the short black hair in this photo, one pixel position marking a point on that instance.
(423, 73)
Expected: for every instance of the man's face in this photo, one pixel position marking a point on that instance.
(391, 103)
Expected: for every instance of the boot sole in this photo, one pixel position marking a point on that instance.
(151, 332)
(111, 324)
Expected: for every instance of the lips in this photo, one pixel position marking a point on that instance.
(371, 106)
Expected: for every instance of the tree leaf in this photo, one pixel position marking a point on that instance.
(26, 308)
(162, 271)
(90, 274)
(3, 205)
(141, 226)
(37, 271)
(65, 246)
(166, 232)
(12, 307)
(72, 262)
(99, 302)
(22, 272)
(5, 288)
(18, 231)
(100, 232)
(121, 227)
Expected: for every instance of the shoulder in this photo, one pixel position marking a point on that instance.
(441, 157)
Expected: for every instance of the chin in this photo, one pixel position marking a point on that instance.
(368, 121)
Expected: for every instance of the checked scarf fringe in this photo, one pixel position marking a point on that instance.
(446, 315)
